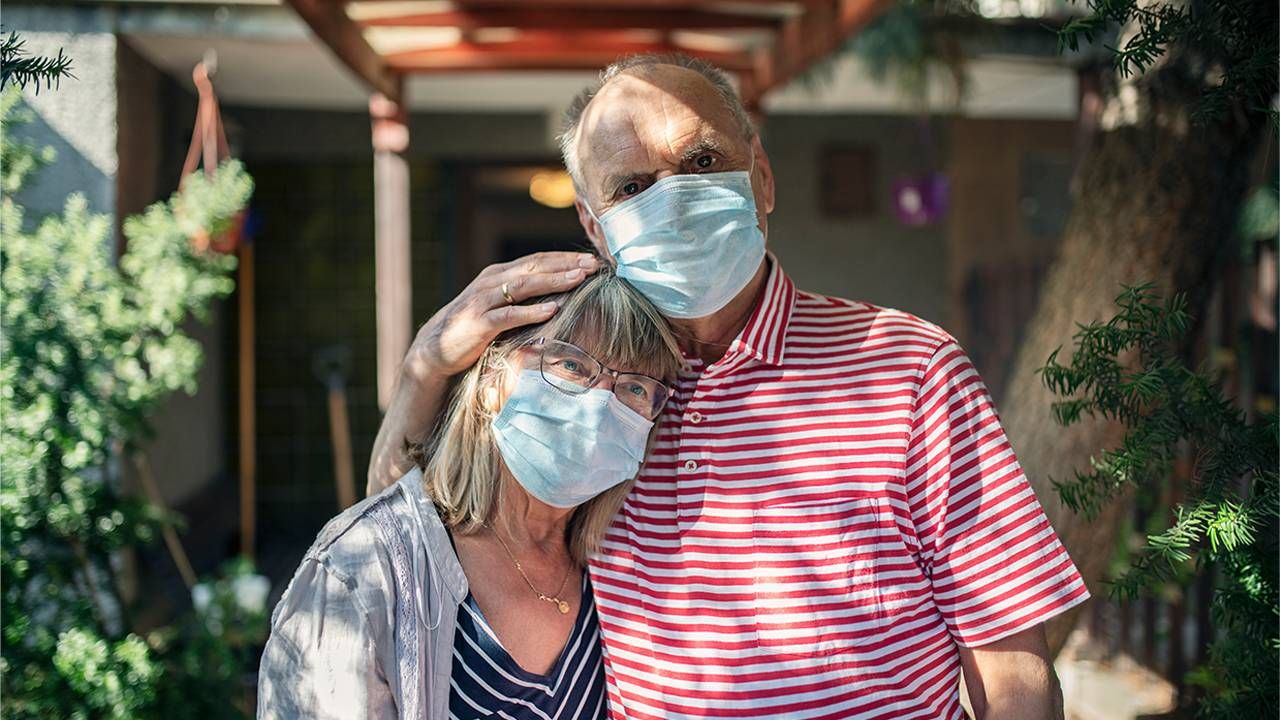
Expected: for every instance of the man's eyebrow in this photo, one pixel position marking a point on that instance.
(706, 143)
(617, 179)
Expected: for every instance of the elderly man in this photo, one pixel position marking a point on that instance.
(832, 523)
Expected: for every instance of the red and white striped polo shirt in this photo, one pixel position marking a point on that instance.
(829, 510)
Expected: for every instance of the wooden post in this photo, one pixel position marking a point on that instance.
(248, 428)
(391, 237)
(333, 366)
(340, 435)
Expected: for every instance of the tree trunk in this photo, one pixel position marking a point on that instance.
(1156, 198)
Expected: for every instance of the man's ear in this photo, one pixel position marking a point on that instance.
(763, 175)
(595, 233)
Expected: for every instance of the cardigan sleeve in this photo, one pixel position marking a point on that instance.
(321, 660)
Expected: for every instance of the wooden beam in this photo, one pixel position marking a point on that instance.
(330, 23)
(807, 38)
(583, 18)
(394, 290)
(248, 440)
(782, 6)
(565, 52)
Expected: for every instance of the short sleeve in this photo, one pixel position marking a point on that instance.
(320, 661)
(995, 564)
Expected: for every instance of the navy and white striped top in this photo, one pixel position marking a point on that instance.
(487, 682)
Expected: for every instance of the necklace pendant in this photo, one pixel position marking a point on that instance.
(564, 607)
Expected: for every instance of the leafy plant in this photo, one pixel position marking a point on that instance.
(1234, 40)
(905, 44)
(1129, 369)
(90, 346)
(23, 69)
(207, 657)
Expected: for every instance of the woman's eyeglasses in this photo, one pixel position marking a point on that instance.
(572, 370)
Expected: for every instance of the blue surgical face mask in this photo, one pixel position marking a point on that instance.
(689, 243)
(566, 449)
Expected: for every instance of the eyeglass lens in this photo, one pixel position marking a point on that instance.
(571, 369)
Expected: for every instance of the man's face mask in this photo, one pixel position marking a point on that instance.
(689, 243)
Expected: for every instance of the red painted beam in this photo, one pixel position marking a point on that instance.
(330, 23)
(584, 18)
(807, 38)
(545, 53)
(782, 6)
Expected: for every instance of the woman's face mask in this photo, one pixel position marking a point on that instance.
(565, 449)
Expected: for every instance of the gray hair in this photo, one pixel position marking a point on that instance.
(636, 64)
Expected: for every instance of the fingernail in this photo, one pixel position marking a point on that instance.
(573, 275)
(587, 262)
(550, 306)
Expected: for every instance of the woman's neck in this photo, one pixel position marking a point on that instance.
(524, 520)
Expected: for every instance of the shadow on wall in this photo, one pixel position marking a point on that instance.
(77, 118)
(71, 171)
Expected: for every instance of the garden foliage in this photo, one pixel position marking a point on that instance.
(1129, 369)
(90, 344)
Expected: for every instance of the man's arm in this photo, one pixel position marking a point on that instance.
(453, 339)
(414, 406)
(1013, 678)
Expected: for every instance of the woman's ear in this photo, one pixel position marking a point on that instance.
(489, 398)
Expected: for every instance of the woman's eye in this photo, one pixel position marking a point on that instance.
(572, 366)
(630, 189)
(704, 162)
(636, 390)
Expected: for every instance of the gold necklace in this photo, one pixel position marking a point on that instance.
(553, 599)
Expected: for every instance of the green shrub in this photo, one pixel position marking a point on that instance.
(88, 347)
(1129, 369)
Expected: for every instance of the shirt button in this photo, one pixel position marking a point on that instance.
(690, 465)
(695, 417)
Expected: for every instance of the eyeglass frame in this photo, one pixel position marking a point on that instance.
(541, 344)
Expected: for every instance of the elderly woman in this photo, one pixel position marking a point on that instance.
(460, 591)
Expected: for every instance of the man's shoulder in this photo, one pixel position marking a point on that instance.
(817, 314)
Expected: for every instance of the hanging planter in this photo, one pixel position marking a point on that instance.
(209, 148)
(922, 199)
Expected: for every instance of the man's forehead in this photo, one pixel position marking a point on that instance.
(654, 113)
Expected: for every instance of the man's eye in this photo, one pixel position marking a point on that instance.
(630, 189)
(704, 162)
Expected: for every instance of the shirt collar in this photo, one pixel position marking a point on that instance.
(764, 335)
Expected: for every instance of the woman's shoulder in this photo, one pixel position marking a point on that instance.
(363, 556)
(377, 524)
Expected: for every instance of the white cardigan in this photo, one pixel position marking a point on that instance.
(366, 626)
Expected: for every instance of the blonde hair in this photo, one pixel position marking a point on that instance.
(461, 461)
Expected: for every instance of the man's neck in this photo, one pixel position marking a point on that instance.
(709, 337)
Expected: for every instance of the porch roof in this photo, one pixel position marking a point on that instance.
(762, 43)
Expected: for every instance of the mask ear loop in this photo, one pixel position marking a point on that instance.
(419, 559)
(586, 204)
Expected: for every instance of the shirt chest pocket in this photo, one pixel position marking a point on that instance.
(828, 573)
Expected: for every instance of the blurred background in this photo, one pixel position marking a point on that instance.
(929, 157)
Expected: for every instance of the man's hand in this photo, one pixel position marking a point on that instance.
(455, 337)
(1013, 678)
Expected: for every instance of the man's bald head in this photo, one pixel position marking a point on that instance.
(713, 82)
